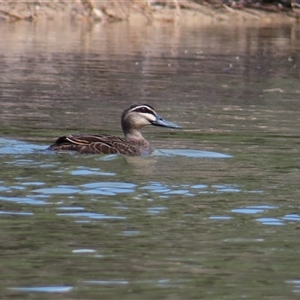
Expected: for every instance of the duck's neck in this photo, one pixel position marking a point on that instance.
(135, 139)
(134, 135)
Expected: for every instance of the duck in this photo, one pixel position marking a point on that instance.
(135, 117)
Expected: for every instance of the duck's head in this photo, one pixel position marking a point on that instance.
(139, 115)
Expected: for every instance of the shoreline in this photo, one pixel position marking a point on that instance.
(172, 12)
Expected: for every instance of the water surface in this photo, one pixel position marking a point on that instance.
(212, 214)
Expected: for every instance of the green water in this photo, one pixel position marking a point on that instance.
(212, 214)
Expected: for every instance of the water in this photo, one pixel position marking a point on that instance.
(212, 214)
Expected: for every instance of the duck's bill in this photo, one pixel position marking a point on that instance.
(164, 123)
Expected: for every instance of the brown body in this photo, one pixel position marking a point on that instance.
(133, 118)
(102, 144)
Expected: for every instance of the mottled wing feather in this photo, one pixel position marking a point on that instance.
(92, 144)
(126, 148)
(89, 139)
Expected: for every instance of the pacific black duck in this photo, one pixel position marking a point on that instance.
(133, 119)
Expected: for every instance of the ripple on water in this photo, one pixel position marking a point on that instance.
(90, 216)
(160, 282)
(81, 251)
(226, 188)
(178, 192)
(113, 188)
(33, 183)
(199, 186)
(296, 284)
(90, 171)
(18, 147)
(253, 209)
(17, 187)
(16, 213)
(109, 185)
(270, 221)
(8, 146)
(23, 200)
(98, 192)
(156, 210)
(220, 218)
(43, 289)
(71, 208)
(257, 210)
(185, 189)
(190, 153)
(131, 232)
(57, 190)
(292, 217)
(108, 188)
(156, 187)
(107, 282)
(4, 188)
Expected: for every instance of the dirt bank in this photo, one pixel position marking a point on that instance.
(163, 10)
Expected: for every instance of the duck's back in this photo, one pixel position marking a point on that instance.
(100, 144)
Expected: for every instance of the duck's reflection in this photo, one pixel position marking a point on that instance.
(142, 166)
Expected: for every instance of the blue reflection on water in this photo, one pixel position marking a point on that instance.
(3, 188)
(107, 282)
(177, 192)
(16, 213)
(57, 190)
(270, 221)
(296, 283)
(33, 183)
(199, 186)
(184, 189)
(82, 170)
(23, 200)
(8, 146)
(80, 251)
(70, 208)
(190, 153)
(219, 218)
(228, 188)
(91, 216)
(43, 289)
(131, 232)
(253, 209)
(109, 185)
(159, 283)
(156, 187)
(257, 210)
(292, 217)
(156, 210)
(108, 188)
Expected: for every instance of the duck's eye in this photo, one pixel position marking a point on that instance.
(143, 110)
